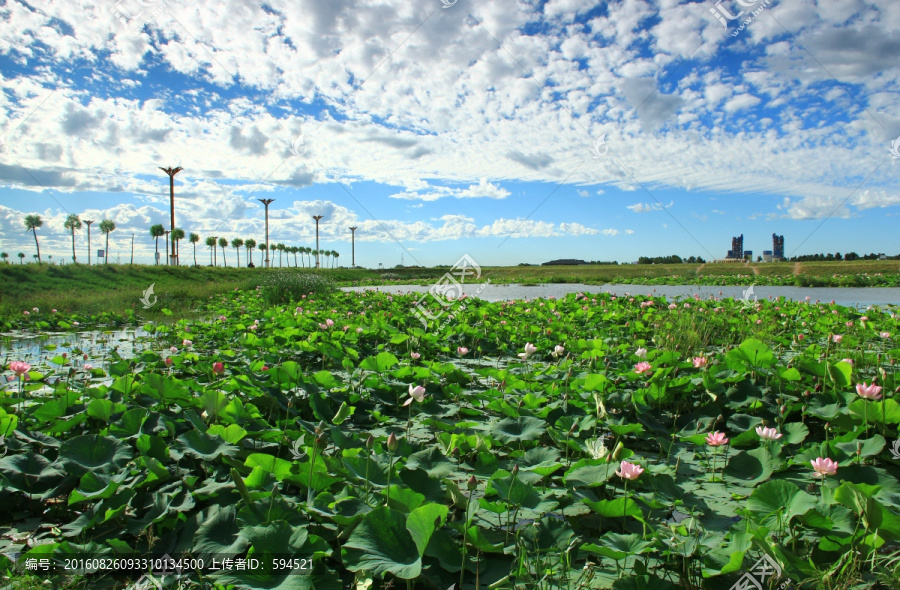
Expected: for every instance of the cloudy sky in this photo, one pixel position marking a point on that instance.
(514, 131)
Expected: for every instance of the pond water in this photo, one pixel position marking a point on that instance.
(98, 345)
(859, 297)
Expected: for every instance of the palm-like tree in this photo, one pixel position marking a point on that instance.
(157, 231)
(177, 234)
(193, 239)
(21, 258)
(223, 243)
(262, 251)
(72, 223)
(336, 255)
(32, 222)
(249, 244)
(280, 248)
(5, 257)
(236, 244)
(106, 226)
(211, 242)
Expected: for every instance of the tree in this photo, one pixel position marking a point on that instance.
(193, 239)
(293, 250)
(336, 256)
(21, 258)
(33, 222)
(157, 231)
(223, 243)
(236, 244)
(177, 234)
(280, 248)
(262, 250)
(72, 223)
(106, 226)
(5, 257)
(249, 244)
(211, 242)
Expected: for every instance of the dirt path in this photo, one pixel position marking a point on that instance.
(755, 270)
(699, 268)
(796, 268)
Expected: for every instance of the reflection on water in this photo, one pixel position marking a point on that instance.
(99, 346)
(859, 297)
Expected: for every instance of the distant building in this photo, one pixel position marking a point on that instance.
(767, 255)
(737, 248)
(777, 247)
(748, 255)
(564, 262)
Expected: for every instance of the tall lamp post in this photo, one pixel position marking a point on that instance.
(266, 202)
(172, 172)
(89, 222)
(353, 246)
(167, 246)
(317, 218)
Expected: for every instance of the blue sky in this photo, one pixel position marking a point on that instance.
(514, 131)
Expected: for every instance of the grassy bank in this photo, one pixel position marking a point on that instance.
(117, 289)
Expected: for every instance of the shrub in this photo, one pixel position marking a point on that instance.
(286, 286)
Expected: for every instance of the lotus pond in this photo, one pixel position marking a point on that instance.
(590, 441)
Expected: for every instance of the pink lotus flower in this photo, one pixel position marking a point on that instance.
(218, 368)
(823, 467)
(885, 334)
(416, 393)
(19, 367)
(700, 362)
(265, 368)
(462, 350)
(415, 356)
(558, 351)
(629, 470)
(848, 361)
(642, 367)
(641, 353)
(173, 349)
(872, 391)
(88, 366)
(359, 330)
(329, 322)
(672, 306)
(800, 337)
(187, 343)
(530, 349)
(52, 311)
(35, 310)
(168, 361)
(716, 439)
(26, 312)
(837, 338)
(767, 433)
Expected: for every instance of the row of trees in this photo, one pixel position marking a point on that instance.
(73, 223)
(215, 242)
(849, 256)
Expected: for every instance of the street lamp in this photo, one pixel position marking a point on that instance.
(172, 172)
(317, 218)
(266, 203)
(353, 246)
(167, 246)
(89, 222)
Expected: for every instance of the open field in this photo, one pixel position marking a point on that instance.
(116, 289)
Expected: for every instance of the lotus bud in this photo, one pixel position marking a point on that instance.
(783, 409)
(818, 387)
(370, 442)
(392, 443)
(515, 469)
(472, 483)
